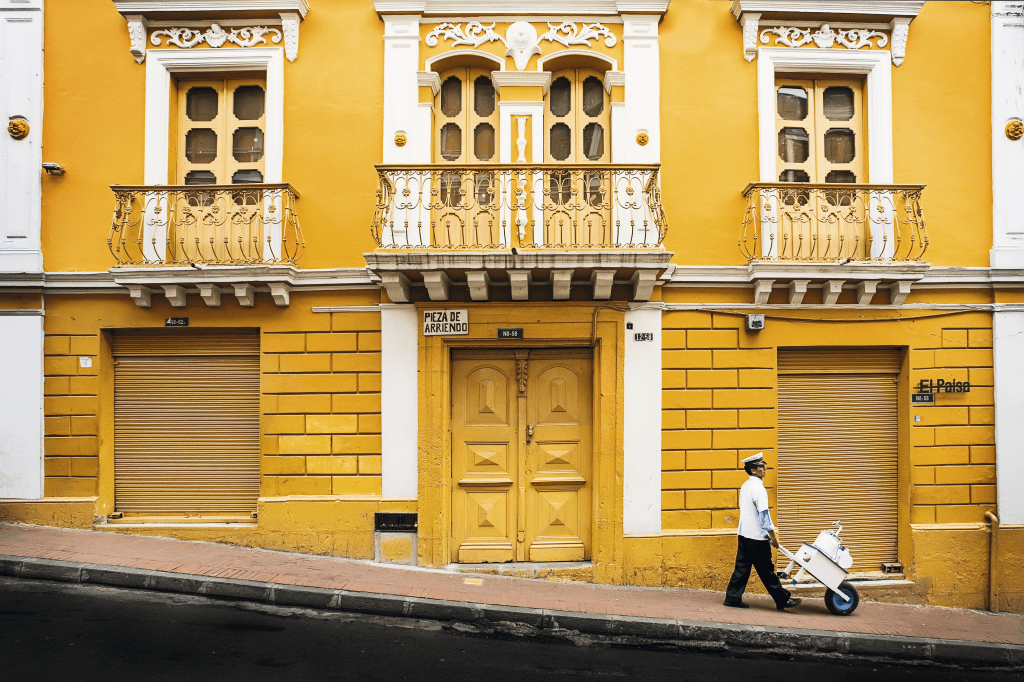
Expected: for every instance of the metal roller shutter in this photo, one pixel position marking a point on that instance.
(838, 449)
(186, 422)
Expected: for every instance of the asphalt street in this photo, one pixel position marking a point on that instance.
(60, 631)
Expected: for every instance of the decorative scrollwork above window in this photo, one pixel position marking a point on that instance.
(521, 38)
(215, 36)
(825, 37)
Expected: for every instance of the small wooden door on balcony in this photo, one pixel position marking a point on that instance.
(464, 212)
(521, 455)
(577, 121)
(220, 141)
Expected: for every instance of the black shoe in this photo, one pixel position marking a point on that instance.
(736, 604)
(790, 604)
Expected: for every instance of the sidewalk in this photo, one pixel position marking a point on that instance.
(909, 632)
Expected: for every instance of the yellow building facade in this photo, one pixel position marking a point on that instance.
(517, 289)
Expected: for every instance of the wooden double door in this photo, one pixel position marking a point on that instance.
(521, 455)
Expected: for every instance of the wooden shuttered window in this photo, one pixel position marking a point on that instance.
(186, 423)
(838, 449)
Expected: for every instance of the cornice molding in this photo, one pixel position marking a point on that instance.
(523, 7)
(513, 79)
(869, 8)
(164, 9)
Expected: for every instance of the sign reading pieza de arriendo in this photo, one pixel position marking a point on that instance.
(943, 386)
(444, 322)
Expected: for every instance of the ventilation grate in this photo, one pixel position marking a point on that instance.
(391, 522)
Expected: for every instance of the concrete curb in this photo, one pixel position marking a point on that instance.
(948, 651)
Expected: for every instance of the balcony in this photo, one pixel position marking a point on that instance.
(834, 236)
(518, 225)
(244, 237)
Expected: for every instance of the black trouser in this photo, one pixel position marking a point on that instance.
(756, 553)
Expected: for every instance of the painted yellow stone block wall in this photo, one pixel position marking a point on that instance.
(321, 407)
(71, 409)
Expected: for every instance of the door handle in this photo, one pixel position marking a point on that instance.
(529, 432)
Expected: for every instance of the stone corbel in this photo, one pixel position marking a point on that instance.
(900, 30)
(137, 28)
(397, 285)
(898, 291)
(246, 295)
(280, 291)
(561, 283)
(830, 291)
(290, 28)
(762, 290)
(750, 23)
(797, 290)
(602, 281)
(479, 284)
(520, 280)
(438, 284)
(210, 294)
(643, 282)
(143, 296)
(175, 294)
(866, 291)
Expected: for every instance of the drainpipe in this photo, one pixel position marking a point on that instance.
(993, 562)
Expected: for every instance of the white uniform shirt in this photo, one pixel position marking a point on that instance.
(754, 510)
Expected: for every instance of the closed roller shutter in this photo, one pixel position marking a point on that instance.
(838, 449)
(186, 422)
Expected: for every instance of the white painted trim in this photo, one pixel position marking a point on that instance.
(641, 434)
(185, 7)
(527, 79)
(869, 8)
(522, 7)
(401, 93)
(642, 66)
(1008, 366)
(876, 64)
(613, 64)
(161, 64)
(399, 401)
(21, 407)
(455, 54)
(1007, 155)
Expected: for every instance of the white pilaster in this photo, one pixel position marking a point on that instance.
(641, 439)
(399, 400)
(401, 92)
(1008, 351)
(1007, 155)
(641, 64)
(21, 405)
(21, 96)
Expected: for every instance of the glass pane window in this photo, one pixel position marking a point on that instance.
(560, 187)
(451, 96)
(249, 102)
(482, 182)
(247, 145)
(593, 96)
(593, 141)
(483, 96)
(794, 145)
(451, 189)
(483, 141)
(560, 97)
(794, 176)
(244, 177)
(198, 177)
(839, 145)
(202, 104)
(560, 141)
(201, 145)
(594, 190)
(792, 103)
(451, 142)
(837, 103)
(840, 176)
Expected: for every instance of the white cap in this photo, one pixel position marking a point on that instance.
(753, 458)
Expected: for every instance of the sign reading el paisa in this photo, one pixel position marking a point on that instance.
(445, 322)
(943, 386)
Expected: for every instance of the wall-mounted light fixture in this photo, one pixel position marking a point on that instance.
(53, 168)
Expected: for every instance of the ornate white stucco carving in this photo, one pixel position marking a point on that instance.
(290, 26)
(825, 37)
(900, 31)
(137, 36)
(750, 23)
(215, 36)
(521, 38)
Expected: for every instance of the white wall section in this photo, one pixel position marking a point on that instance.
(401, 92)
(1007, 155)
(399, 400)
(21, 96)
(642, 65)
(1008, 351)
(21, 405)
(641, 440)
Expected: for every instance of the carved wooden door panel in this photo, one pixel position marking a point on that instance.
(558, 457)
(521, 451)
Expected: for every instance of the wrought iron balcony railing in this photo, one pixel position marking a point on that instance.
(205, 224)
(504, 206)
(827, 223)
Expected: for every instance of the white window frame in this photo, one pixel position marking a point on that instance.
(875, 64)
(161, 65)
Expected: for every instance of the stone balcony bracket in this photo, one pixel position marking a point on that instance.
(866, 278)
(209, 282)
(502, 276)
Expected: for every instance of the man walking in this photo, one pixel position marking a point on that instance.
(756, 538)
